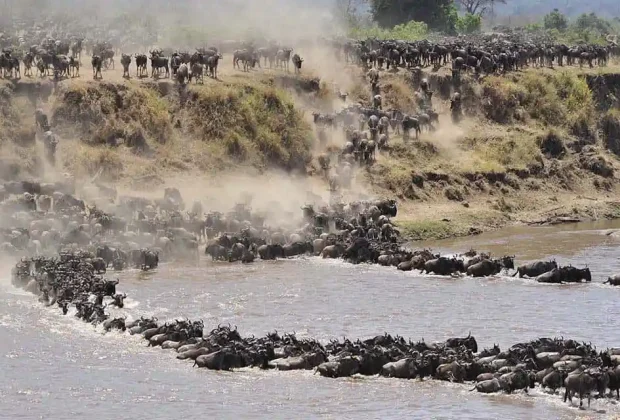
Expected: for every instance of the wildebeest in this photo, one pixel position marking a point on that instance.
(581, 383)
(41, 120)
(96, 63)
(126, 62)
(283, 57)
(182, 74)
(297, 62)
(157, 63)
(212, 64)
(409, 123)
(246, 57)
(28, 61)
(613, 280)
(141, 62)
(197, 73)
(74, 67)
(444, 266)
(535, 269)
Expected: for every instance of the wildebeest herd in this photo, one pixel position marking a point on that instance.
(70, 281)
(67, 246)
(62, 58)
(481, 54)
(47, 219)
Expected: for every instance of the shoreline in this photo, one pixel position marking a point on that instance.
(456, 221)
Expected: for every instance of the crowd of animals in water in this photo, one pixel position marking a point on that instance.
(70, 281)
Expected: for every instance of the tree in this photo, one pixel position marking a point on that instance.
(556, 20)
(478, 7)
(348, 12)
(469, 23)
(591, 22)
(440, 15)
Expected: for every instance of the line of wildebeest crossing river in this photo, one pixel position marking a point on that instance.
(552, 363)
(67, 246)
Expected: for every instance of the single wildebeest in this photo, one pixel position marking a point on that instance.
(488, 386)
(283, 57)
(246, 57)
(613, 280)
(125, 61)
(572, 274)
(183, 74)
(581, 383)
(41, 119)
(535, 269)
(212, 63)
(443, 266)
(411, 123)
(347, 366)
(484, 268)
(141, 62)
(402, 369)
(74, 67)
(553, 380)
(297, 61)
(516, 380)
(197, 73)
(271, 252)
(553, 276)
(158, 63)
(96, 63)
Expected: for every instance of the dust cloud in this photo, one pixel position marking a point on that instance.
(185, 25)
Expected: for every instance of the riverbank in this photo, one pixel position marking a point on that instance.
(432, 221)
(537, 147)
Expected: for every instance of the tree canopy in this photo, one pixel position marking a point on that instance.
(556, 20)
(478, 7)
(439, 15)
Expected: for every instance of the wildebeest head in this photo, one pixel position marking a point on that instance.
(508, 262)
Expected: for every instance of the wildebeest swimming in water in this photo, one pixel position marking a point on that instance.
(535, 269)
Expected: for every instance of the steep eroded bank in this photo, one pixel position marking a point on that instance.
(537, 146)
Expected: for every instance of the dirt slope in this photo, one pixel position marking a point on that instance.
(537, 146)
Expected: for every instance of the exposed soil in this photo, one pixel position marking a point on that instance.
(516, 158)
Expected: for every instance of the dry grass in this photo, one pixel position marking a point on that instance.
(559, 99)
(103, 112)
(251, 122)
(148, 130)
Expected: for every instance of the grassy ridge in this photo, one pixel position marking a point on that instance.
(252, 122)
(142, 130)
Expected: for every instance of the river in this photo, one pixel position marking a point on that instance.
(56, 367)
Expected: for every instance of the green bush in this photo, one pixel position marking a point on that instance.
(468, 24)
(410, 31)
(555, 20)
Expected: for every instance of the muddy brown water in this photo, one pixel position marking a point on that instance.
(55, 367)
